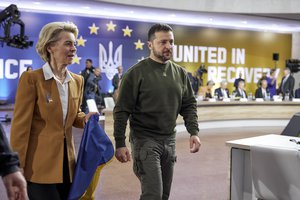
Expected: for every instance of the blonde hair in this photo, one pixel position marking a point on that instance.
(49, 34)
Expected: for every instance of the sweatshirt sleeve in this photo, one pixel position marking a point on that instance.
(124, 107)
(9, 161)
(189, 108)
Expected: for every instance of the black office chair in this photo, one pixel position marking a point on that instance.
(293, 127)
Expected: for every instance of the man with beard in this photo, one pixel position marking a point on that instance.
(152, 94)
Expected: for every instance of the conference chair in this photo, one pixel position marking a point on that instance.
(293, 127)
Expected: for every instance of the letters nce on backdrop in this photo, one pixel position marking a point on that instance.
(110, 43)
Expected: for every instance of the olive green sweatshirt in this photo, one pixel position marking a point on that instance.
(152, 95)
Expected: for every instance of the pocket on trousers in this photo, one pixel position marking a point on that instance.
(173, 156)
(140, 155)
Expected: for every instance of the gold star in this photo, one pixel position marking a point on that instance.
(127, 31)
(139, 45)
(93, 29)
(81, 41)
(111, 26)
(76, 60)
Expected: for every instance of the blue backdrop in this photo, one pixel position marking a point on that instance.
(109, 43)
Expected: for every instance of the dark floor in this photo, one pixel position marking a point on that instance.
(200, 176)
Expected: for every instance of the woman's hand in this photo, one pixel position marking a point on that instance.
(87, 116)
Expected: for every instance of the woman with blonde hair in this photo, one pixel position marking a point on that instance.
(47, 105)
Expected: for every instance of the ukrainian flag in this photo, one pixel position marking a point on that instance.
(95, 151)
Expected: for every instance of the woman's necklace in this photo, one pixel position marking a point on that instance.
(61, 79)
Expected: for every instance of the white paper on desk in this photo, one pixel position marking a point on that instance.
(296, 100)
(243, 99)
(226, 100)
(211, 100)
(259, 100)
(92, 105)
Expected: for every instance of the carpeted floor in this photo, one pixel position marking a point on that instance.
(200, 176)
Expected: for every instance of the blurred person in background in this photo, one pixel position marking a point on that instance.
(240, 91)
(263, 91)
(41, 131)
(287, 84)
(86, 72)
(272, 82)
(116, 81)
(237, 80)
(195, 81)
(206, 91)
(263, 77)
(117, 77)
(92, 88)
(297, 92)
(222, 92)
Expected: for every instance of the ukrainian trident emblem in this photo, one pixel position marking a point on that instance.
(108, 64)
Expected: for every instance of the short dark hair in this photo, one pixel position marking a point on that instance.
(157, 28)
(90, 60)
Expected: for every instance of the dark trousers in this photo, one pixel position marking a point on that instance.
(153, 164)
(60, 191)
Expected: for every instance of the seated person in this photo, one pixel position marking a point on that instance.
(205, 91)
(263, 76)
(222, 92)
(240, 91)
(297, 93)
(263, 91)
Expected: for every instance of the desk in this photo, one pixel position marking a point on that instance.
(235, 110)
(240, 167)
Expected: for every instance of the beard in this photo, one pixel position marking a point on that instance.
(163, 56)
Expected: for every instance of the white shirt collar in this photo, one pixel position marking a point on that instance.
(287, 76)
(48, 74)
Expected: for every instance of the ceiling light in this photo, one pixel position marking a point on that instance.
(244, 22)
(37, 3)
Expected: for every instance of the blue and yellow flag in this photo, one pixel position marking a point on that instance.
(95, 150)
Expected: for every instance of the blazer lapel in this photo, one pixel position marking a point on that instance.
(72, 96)
(53, 97)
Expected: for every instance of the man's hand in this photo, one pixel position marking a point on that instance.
(122, 154)
(16, 186)
(194, 144)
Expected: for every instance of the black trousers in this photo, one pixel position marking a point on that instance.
(59, 191)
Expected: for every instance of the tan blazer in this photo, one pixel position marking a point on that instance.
(37, 130)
